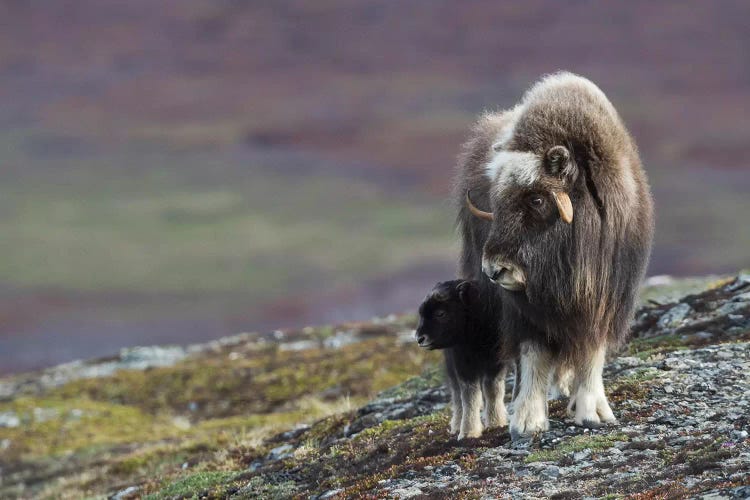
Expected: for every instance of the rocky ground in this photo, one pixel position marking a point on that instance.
(206, 423)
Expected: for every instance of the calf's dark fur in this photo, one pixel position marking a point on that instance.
(462, 318)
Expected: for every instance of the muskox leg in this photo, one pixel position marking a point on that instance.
(471, 416)
(562, 381)
(590, 401)
(530, 405)
(493, 389)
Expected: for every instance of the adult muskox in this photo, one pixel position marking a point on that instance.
(565, 230)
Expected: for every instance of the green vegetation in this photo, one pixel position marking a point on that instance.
(258, 382)
(646, 348)
(190, 426)
(118, 433)
(193, 485)
(574, 444)
(431, 377)
(54, 425)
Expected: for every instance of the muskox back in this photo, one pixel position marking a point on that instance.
(582, 288)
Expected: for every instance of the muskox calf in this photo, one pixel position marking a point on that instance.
(462, 318)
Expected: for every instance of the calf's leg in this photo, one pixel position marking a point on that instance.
(471, 406)
(456, 403)
(493, 389)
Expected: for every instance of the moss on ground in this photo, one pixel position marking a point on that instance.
(433, 376)
(632, 388)
(176, 450)
(653, 346)
(592, 442)
(209, 414)
(54, 426)
(196, 485)
(375, 453)
(701, 455)
(259, 382)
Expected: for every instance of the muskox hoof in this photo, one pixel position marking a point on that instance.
(520, 439)
(496, 422)
(529, 419)
(455, 427)
(591, 411)
(590, 424)
(563, 382)
(469, 435)
(498, 418)
(558, 393)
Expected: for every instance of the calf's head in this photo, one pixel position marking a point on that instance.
(444, 313)
(531, 212)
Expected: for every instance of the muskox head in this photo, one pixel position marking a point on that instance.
(443, 314)
(532, 214)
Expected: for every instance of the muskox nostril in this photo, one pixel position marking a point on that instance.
(498, 273)
(420, 339)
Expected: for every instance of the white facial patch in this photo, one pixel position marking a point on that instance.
(513, 167)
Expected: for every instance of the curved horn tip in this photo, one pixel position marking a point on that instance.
(564, 205)
(475, 211)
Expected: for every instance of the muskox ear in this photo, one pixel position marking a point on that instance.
(558, 162)
(468, 292)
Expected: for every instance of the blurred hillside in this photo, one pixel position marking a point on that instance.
(184, 170)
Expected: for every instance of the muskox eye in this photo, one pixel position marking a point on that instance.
(536, 201)
(439, 313)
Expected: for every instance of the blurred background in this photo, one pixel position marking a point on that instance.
(177, 171)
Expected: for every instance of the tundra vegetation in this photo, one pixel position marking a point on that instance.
(360, 409)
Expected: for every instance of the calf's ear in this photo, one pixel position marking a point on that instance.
(468, 292)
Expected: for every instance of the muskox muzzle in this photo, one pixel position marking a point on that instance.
(507, 275)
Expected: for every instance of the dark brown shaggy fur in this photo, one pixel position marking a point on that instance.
(582, 278)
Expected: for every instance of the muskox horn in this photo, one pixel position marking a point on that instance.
(479, 213)
(564, 206)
